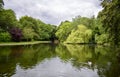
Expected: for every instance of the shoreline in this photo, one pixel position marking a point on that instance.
(23, 43)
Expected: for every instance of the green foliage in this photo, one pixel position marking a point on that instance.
(91, 23)
(5, 37)
(64, 30)
(81, 35)
(7, 19)
(96, 28)
(91, 29)
(101, 39)
(40, 30)
(82, 20)
(52, 32)
(28, 33)
(110, 17)
(45, 31)
(99, 34)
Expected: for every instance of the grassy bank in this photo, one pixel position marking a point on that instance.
(23, 43)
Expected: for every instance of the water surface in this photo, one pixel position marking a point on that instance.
(47, 60)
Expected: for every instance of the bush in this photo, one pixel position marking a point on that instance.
(16, 34)
(5, 37)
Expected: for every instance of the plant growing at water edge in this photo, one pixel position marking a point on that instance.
(16, 34)
(5, 37)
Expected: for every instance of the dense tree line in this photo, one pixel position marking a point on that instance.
(110, 17)
(80, 30)
(34, 29)
(105, 29)
(25, 29)
(83, 30)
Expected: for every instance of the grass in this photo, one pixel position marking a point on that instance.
(23, 43)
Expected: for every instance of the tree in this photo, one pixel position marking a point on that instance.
(101, 36)
(42, 31)
(91, 23)
(110, 17)
(7, 19)
(28, 33)
(64, 30)
(52, 33)
(80, 35)
(81, 20)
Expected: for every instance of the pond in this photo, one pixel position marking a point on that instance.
(48, 60)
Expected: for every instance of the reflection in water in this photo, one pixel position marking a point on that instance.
(48, 69)
(47, 60)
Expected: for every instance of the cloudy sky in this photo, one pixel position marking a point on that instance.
(54, 11)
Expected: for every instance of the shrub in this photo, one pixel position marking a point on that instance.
(5, 37)
(16, 34)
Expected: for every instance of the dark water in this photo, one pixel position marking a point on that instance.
(47, 60)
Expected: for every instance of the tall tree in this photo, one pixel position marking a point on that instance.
(110, 16)
(7, 19)
(64, 30)
(91, 23)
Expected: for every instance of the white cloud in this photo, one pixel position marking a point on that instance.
(54, 11)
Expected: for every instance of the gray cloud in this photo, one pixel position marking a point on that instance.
(54, 11)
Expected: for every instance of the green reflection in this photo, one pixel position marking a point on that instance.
(63, 53)
(7, 65)
(106, 60)
(81, 55)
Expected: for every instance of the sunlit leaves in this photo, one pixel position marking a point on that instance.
(81, 35)
(28, 33)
